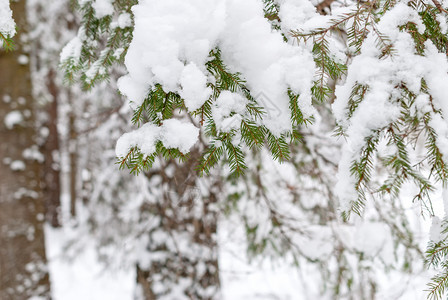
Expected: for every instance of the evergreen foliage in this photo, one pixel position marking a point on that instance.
(7, 42)
(437, 256)
(104, 45)
(101, 41)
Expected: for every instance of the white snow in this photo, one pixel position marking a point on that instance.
(144, 138)
(7, 25)
(84, 277)
(171, 43)
(72, 50)
(17, 165)
(445, 202)
(176, 134)
(227, 103)
(194, 90)
(382, 75)
(294, 14)
(435, 234)
(103, 8)
(269, 65)
(23, 59)
(124, 20)
(13, 118)
(33, 153)
(6, 98)
(173, 134)
(172, 40)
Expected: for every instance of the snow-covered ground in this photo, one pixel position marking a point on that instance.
(85, 278)
(258, 280)
(77, 274)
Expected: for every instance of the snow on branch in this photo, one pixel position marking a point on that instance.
(7, 25)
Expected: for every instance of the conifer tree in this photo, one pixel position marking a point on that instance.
(23, 262)
(385, 62)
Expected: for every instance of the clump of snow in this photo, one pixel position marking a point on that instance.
(441, 128)
(33, 153)
(7, 25)
(124, 20)
(194, 87)
(173, 134)
(345, 186)
(172, 40)
(13, 118)
(95, 68)
(445, 202)
(72, 50)
(434, 67)
(295, 13)
(144, 138)
(23, 59)
(103, 8)
(6, 98)
(316, 244)
(381, 76)
(443, 22)
(272, 69)
(436, 231)
(24, 192)
(166, 34)
(85, 276)
(17, 165)
(370, 238)
(118, 52)
(226, 104)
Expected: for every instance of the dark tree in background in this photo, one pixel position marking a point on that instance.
(23, 268)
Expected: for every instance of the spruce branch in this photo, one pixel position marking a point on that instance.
(439, 6)
(7, 42)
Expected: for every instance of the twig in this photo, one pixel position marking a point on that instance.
(439, 6)
(323, 5)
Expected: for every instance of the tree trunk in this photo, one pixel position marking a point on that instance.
(73, 156)
(52, 187)
(188, 260)
(23, 268)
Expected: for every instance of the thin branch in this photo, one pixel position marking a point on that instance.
(439, 6)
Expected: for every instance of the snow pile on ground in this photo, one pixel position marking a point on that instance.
(83, 277)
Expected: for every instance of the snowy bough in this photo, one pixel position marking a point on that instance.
(236, 77)
(7, 25)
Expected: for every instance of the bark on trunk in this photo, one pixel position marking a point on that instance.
(23, 268)
(188, 261)
(52, 187)
(72, 148)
